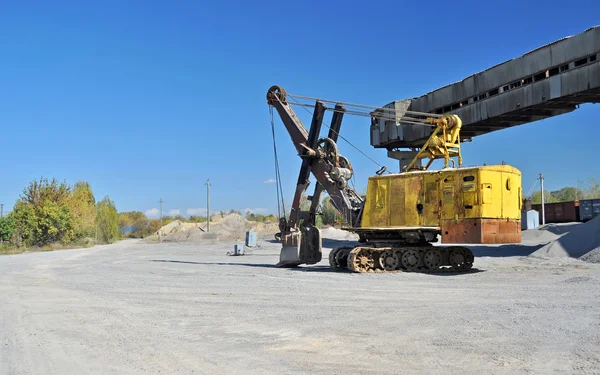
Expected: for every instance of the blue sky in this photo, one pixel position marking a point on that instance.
(148, 99)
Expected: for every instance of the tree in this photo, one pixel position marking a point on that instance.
(567, 194)
(197, 219)
(82, 205)
(536, 197)
(41, 215)
(133, 224)
(107, 221)
(154, 225)
(7, 227)
(39, 192)
(329, 214)
(593, 190)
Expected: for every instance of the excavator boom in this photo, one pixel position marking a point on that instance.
(320, 157)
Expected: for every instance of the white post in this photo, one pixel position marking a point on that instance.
(208, 205)
(543, 200)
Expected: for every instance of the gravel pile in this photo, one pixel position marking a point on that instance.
(232, 227)
(582, 242)
(338, 234)
(548, 232)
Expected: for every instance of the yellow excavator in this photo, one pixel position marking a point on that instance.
(404, 213)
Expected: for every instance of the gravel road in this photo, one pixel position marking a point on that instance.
(133, 308)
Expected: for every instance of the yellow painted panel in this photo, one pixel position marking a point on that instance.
(413, 186)
(378, 209)
(397, 199)
(431, 200)
(511, 196)
(470, 199)
(448, 199)
(413, 199)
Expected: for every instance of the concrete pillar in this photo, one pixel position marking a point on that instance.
(405, 157)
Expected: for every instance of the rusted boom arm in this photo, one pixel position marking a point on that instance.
(319, 157)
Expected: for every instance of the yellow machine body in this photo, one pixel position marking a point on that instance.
(467, 205)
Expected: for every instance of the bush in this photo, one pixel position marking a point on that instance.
(107, 221)
(41, 215)
(7, 228)
(82, 205)
(134, 224)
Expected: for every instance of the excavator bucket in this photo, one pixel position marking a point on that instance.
(300, 247)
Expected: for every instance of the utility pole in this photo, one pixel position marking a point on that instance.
(161, 202)
(207, 205)
(1, 210)
(543, 200)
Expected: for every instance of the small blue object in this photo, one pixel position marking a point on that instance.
(530, 220)
(251, 239)
(238, 250)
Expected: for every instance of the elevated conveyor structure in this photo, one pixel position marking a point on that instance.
(548, 81)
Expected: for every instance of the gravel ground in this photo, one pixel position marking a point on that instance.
(132, 308)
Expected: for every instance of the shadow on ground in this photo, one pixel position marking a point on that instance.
(442, 272)
(503, 250)
(327, 243)
(330, 243)
(558, 228)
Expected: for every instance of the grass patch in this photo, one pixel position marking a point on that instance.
(7, 249)
(10, 250)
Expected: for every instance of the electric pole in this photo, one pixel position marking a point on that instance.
(1, 210)
(207, 205)
(161, 202)
(543, 200)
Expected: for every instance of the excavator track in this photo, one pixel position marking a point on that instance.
(426, 259)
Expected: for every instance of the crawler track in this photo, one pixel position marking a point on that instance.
(407, 258)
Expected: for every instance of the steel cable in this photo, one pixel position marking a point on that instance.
(340, 136)
(280, 199)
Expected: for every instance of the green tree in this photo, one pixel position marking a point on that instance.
(133, 224)
(41, 215)
(7, 227)
(593, 190)
(197, 219)
(180, 218)
(329, 215)
(82, 205)
(567, 194)
(107, 220)
(153, 225)
(536, 197)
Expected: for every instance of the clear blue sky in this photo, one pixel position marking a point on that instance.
(148, 99)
